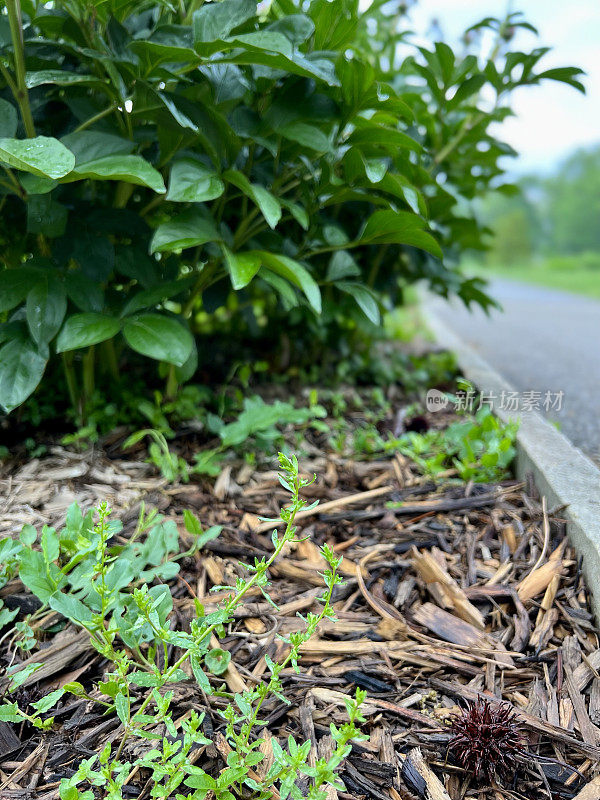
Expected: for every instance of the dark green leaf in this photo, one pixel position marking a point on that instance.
(381, 136)
(192, 182)
(189, 229)
(564, 75)
(36, 184)
(364, 297)
(297, 212)
(465, 90)
(295, 273)
(307, 135)
(445, 57)
(46, 216)
(295, 27)
(399, 227)
(83, 330)
(21, 369)
(152, 297)
(217, 21)
(159, 337)
(268, 203)
(14, 286)
(252, 52)
(84, 292)
(242, 267)
(8, 119)
(89, 146)
(342, 265)
(398, 186)
(46, 307)
(137, 265)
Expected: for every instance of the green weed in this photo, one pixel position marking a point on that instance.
(104, 589)
(256, 428)
(480, 448)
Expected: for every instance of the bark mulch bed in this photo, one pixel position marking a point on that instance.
(452, 593)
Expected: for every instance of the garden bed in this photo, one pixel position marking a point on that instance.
(452, 592)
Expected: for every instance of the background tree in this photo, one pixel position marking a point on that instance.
(572, 204)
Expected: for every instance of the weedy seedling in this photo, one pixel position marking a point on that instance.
(256, 426)
(480, 448)
(131, 627)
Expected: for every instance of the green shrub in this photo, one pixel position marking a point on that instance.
(165, 166)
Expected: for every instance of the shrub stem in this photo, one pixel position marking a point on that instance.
(13, 8)
(67, 359)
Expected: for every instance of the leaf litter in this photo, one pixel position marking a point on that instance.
(454, 594)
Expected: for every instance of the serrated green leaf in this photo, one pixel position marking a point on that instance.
(39, 577)
(20, 676)
(143, 679)
(9, 712)
(122, 708)
(48, 701)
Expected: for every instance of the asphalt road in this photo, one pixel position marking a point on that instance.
(543, 341)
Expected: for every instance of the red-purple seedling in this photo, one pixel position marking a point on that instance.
(487, 740)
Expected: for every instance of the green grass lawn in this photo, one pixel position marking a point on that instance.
(571, 276)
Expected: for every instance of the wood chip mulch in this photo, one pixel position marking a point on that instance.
(452, 593)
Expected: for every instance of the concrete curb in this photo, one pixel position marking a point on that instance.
(561, 471)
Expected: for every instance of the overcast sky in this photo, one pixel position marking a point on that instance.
(552, 119)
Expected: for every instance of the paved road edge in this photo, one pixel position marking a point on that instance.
(562, 473)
